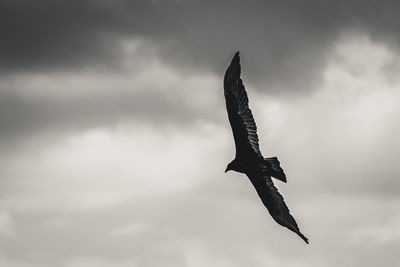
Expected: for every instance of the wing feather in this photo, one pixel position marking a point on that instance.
(240, 117)
(274, 202)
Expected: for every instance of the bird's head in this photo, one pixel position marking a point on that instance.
(231, 166)
(228, 168)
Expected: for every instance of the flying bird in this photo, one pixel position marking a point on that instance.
(248, 159)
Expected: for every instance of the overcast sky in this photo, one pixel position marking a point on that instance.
(114, 136)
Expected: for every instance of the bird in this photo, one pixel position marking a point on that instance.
(248, 159)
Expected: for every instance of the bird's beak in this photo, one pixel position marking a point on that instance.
(226, 170)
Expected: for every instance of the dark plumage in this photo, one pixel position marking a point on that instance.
(249, 159)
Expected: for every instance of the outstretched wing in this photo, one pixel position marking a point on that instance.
(274, 202)
(237, 104)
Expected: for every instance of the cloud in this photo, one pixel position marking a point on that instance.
(350, 124)
(6, 225)
(117, 158)
(98, 262)
(286, 45)
(34, 104)
(382, 233)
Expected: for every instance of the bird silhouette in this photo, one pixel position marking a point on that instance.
(248, 159)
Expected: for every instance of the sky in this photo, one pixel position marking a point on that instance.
(114, 136)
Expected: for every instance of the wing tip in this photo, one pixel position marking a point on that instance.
(236, 57)
(233, 71)
(303, 237)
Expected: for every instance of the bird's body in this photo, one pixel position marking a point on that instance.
(248, 159)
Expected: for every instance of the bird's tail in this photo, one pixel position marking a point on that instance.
(277, 171)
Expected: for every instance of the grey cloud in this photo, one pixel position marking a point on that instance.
(242, 233)
(341, 166)
(52, 34)
(219, 219)
(22, 117)
(284, 43)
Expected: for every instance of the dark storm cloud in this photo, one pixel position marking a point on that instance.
(21, 117)
(283, 42)
(114, 132)
(45, 34)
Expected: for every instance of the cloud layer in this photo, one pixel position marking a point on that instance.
(279, 38)
(115, 137)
